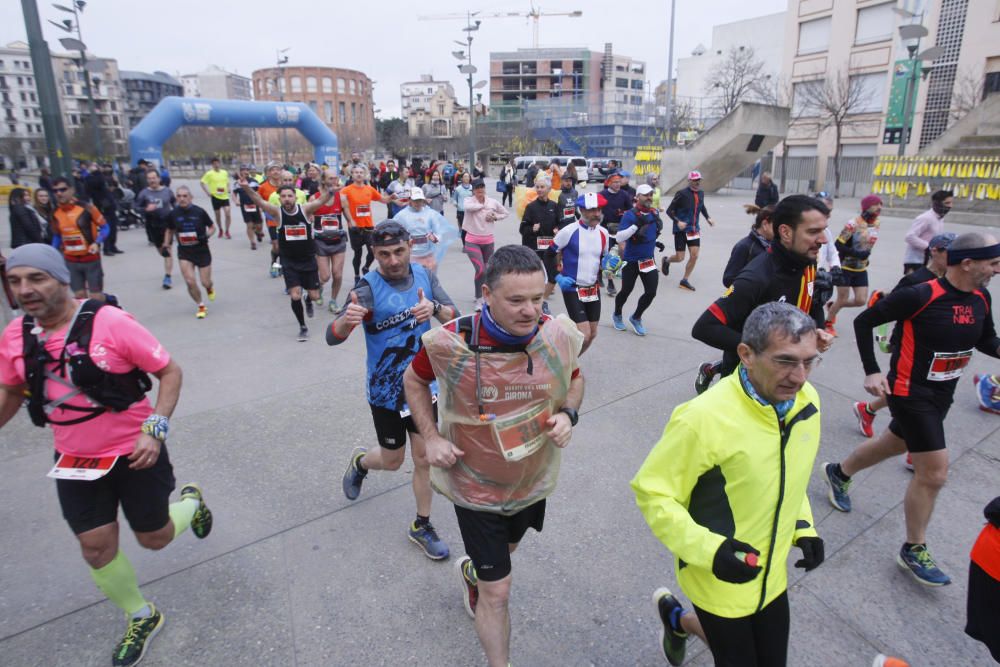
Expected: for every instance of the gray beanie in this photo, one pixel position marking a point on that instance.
(42, 257)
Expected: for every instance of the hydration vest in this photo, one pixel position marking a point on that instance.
(113, 392)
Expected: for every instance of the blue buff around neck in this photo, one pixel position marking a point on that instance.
(501, 335)
(781, 408)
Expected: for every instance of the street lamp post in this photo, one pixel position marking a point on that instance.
(78, 45)
(279, 81)
(911, 34)
(469, 69)
(670, 72)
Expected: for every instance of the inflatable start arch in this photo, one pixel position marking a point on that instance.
(146, 140)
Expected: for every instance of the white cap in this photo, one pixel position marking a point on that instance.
(417, 193)
(694, 175)
(644, 189)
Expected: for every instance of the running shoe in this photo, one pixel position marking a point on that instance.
(830, 329)
(201, 522)
(838, 488)
(260, 237)
(275, 270)
(665, 266)
(334, 308)
(354, 476)
(612, 290)
(684, 284)
(228, 236)
(310, 311)
(988, 392)
(882, 660)
(253, 245)
(138, 635)
(917, 561)
(908, 462)
(865, 419)
(303, 334)
(545, 308)
(705, 374)
(673, 641)
(211, 294)
(618, 322)
(470, 584)
(637, 326)
(167, 282)
(202, 312)
(318, 302)
(427, 539)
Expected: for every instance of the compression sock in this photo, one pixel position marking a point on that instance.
(117, 581)
(299, 313)
(181, 514)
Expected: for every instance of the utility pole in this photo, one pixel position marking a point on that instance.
(279, 83)
(60, 160)
(79, 45)
(670, 73)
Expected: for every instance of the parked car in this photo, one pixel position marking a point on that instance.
(522, 163)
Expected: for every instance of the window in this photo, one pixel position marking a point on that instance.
(342, 112)
(281, 85)
(361, 112)
(296, 84)
(27, 114)
(313, 107)
(871, 89)
(814, 36)
(354, 113)
(801, 105)
(114, 106)
(637, 84)
(20, 80)
(440, 108)
(32, 96)
(12, 128)
(24, 98)
(621, 83)
(353, 85)
(874, 24)
(328, 110)
(327, 84)
(341, 86)
(69, 89)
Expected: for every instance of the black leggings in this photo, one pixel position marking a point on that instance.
(359, 238)
(759, 640)
(650, 280)
(508, 196)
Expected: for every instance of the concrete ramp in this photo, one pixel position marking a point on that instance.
(727, 148)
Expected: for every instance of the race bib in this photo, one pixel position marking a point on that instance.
(588, 294)
(420, 240)
(646, 265)
(364, 211)
(81, 468)
(948, 365)
(522, 435)
(693, 235)
(250, 208)
(405, 412)
(296, 233)
(569, 212)
(544, 242)
(188, 238)
(75, 243)
(220, 191)
(329, 223)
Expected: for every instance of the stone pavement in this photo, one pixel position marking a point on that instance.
(294, 574)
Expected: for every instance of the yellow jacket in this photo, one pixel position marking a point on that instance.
(726, 468)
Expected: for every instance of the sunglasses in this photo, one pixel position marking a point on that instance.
(60, 189)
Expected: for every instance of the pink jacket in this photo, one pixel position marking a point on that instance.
(475, 216)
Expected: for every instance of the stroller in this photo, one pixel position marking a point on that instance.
(128, 217)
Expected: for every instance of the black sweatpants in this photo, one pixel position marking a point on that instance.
(650, 280)
(758, 640)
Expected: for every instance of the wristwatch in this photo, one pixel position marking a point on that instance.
(437, 307)
(573, 415)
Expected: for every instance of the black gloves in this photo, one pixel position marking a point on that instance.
(661, 247)
(728, 567)
(812, 553)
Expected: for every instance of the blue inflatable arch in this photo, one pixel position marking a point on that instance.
(146, 140)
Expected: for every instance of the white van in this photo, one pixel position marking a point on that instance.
(522, 163)
(578, 161)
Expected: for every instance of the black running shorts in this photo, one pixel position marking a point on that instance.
(219, 203)
(919, 420)
(682, 242)
(142, 494)
(199, 255)
(487, 537)
(391, 427)
(853, 279)
(580, 311)
(300, 273)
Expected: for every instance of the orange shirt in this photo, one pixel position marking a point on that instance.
(265, 190)
(359, 202)
(75, 246)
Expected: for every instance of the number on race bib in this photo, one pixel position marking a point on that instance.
(187, 238)
(948, 365)
(646, 265)
(693, 236)
(79, 468)
(250, 208)
(588, 294)
(522, 435)
(296, 233)
(364, 211)
(544, 242)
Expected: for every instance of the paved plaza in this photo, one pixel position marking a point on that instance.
(294, 574)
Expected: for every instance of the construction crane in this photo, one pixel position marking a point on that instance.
(535, 14)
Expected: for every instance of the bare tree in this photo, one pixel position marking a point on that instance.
(967, 92)
(837, 99)
(739, 76)
(781, 92)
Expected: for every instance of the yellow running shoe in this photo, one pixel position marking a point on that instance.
(211, 295)
(202, 312)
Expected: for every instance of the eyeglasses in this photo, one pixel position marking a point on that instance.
(60, 189)
(789, 364)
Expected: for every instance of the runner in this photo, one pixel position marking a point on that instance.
(356, 201)
(285, 177)
(251, 216)
(393, 306)
(399, 191)
(854, 245)
(311, 181)
(109, 440)
(617, 202)
(784, 274)
(297, 251)
(78, 229)
(581, 247)
(448, 176)
(567, 203)
(926, 226)
(481, 214)
(215, 184)
(331, 240)
(268, 187)
(155, 201)
(193, 228)
(498, 467)
(638, 231)
(983, 598)
(685, 209)
(461, 192)
(935, 266)
(708, 481)
(436, 192)
(539, 225)
(427, 229)
(938, 323)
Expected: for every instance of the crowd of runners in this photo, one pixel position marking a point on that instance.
(488, 399)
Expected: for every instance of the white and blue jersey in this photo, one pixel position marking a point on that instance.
(392, 335)
(582, 248)
(421, 224)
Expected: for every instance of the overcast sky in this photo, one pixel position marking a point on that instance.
(383, 39)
